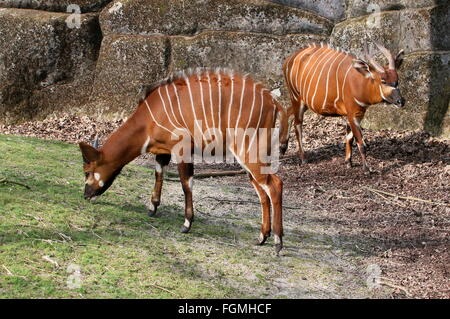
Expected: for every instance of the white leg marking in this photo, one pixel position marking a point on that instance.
(191, 182)
(158, 167)
(349, 136)
(97, 176)
(145, 146)
(187, 223)
(276, 239)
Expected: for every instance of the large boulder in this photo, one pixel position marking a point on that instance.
(127, 63)
(425, 84)
(56, 5)
(423, 29)
(147, 17)
(356, 8)
(45, 65)
(331, 9)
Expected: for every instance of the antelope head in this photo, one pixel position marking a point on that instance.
(99, 174)
(385, 77)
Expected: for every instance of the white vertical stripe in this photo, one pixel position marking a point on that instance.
(192, 106)
(253, 106)
(203, 101)
(328, 77)
(337, 80)
(241, 101)
(179, 108)
(231, 99)
(259, 120)
(317, 64)
(304, 78)
(171, 105)
(219, 83)
(154, 120)
(165, 110)
(320, 75)
(211, 101)
(345, 79)
(295, 84)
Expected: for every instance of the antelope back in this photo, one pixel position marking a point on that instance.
(205, 101)
(318, 75)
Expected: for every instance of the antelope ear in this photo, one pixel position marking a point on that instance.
(362, 67)
(89, 152)
(399, 59)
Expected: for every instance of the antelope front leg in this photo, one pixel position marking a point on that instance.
(186, 172)
(356, 129)
(349, 138)
(162, 160)
(265, 211)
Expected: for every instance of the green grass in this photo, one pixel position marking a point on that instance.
(120, 251)
(48, 229)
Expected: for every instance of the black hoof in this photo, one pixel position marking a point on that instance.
(151, 213)
(185, 229)
(367, 170)
(304, 161)
(261, 240)
(348, 164)
(283, 149)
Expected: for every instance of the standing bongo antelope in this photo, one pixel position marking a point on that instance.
(196, 103)
(335, 83)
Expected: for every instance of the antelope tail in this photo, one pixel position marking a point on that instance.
(283, 127)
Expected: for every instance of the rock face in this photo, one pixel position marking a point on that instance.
(331, 9)
(126, 64)
(147, 17)
(102, 66)
(45, 66)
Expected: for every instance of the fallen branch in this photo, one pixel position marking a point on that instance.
(6, 181)
(373, 190)
(243, 202)
(211, 174)
(407, 293)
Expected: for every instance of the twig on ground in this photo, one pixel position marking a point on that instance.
(8, 271)
(6, 181)
(53, 262)
(164, 289)
(373, 190)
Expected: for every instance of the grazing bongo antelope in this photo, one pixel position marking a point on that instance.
(199, 104)
(335, 83)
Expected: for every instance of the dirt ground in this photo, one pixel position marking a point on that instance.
(395, 220)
